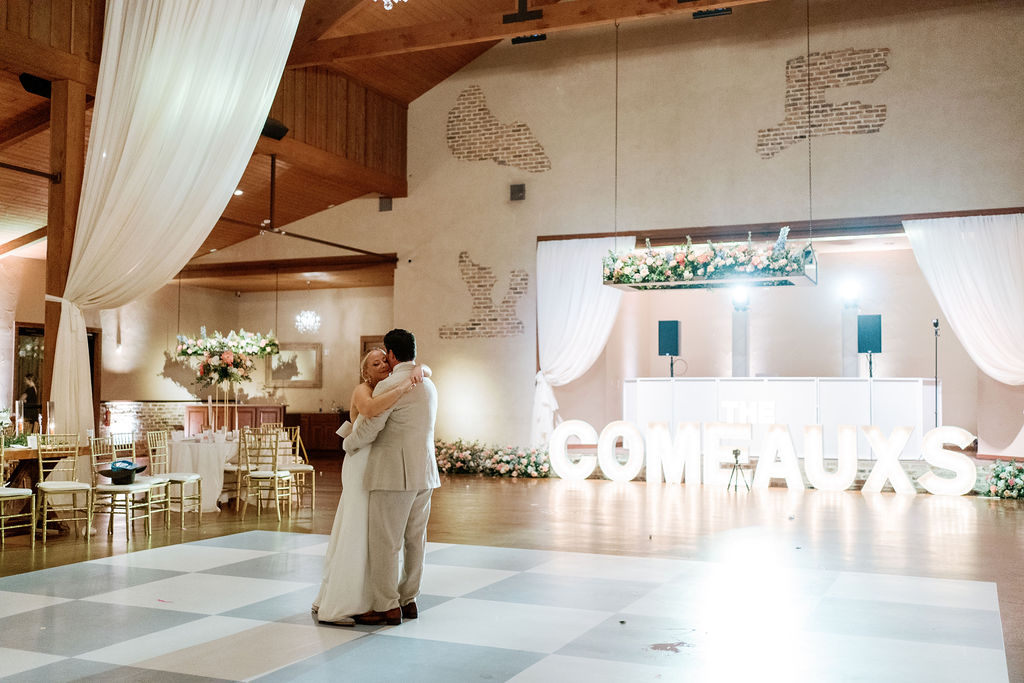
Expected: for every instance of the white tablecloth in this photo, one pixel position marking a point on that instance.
(208, 460)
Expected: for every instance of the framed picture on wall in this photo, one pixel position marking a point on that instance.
(299, 366)
(368, 343)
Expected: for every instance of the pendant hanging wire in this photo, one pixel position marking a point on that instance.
(179, 304)
(615, 201)
(810, 185)
(277, 280)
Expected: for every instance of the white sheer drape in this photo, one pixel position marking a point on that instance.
(575, 314)
(975, 267)
(184, 89)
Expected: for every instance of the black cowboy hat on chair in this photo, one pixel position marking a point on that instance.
(122, 471)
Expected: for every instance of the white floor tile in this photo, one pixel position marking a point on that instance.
(318, 549)
(613, 567)
(170, 640)
(534, 628)
(915, 590)
(200, 593)
(182, 558)
(16, 603)
(16, 661)
(583, 670)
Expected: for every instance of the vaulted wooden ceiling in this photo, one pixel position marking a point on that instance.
(353, 70)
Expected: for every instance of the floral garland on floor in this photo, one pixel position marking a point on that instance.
(226, 359)
(1006, 480)
(462, 457)
(686, 263)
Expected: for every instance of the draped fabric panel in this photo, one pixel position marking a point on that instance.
(975, 267)
(575, 314)
(184, 89)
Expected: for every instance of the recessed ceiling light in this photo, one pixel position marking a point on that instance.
(266, 221)
(212, 250)
(239, 193)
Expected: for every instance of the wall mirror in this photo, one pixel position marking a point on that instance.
(297, 365)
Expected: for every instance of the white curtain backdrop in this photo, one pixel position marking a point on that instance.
(184, 89)
(575, 314)
(975, 267)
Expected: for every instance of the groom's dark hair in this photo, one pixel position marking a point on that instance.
(402, 344)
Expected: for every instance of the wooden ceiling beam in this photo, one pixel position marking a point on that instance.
(320, 15)
(305, 157)
(24, 125)
(23, 241)
(560, 17)
(304, 265)
(19, 54)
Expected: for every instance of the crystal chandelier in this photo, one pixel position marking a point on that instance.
(388, 4)
(307, 321)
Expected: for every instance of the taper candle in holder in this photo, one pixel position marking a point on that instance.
(51, 420)
(19, 418)
(209, 410)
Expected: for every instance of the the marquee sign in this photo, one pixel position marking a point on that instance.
(687, 457)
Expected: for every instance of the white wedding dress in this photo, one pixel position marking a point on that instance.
(344, 590)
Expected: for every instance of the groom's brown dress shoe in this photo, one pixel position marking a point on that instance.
(393, 617)
(409, 610)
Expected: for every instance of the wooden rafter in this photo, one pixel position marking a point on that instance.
(20, 54)
(22, 241)
(560, 17)
(246, 268)
(320, 15)
(24, 125)
(315, 160)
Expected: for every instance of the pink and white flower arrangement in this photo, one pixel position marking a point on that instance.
(1006, 480)
(460, 457)
(226, 359)
(714, 261)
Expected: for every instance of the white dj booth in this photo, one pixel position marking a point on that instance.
(794, 401)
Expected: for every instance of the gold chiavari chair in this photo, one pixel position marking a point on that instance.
(133, 500)
(12, 505)
(57, 456)
(303, 474)
(160, 465)
(239, 468)
(264, 479)
(160, 496)
(271, 427)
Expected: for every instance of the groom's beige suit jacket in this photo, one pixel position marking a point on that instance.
(402, 455)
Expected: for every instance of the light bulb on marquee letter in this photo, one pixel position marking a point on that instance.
(778, 442)
(814, 463)
(963, 467)
(679, 459)
(632, 439)
(888, 467)
(558, 452)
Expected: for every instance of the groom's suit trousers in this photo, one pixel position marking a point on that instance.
(397, 517)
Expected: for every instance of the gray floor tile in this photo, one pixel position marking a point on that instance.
(291, 607)
(265, 540)
(81, 580)
(72, 628)
(483, 557)
(655, 641)
(902, 621)
(283, 566)
(564, 591)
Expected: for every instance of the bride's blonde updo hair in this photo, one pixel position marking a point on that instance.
(366, 362)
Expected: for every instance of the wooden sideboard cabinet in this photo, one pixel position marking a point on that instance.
(248, 416)
(319, 430)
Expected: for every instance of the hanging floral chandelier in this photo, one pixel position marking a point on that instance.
(388, 4)
(307, 321)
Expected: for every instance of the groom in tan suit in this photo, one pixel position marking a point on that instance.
(401, 474)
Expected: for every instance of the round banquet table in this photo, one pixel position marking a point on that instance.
(206, 460)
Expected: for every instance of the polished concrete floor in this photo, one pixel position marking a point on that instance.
(703, 585)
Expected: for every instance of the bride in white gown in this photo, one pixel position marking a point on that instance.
(344, 590)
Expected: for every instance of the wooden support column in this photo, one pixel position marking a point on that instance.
(67, 157)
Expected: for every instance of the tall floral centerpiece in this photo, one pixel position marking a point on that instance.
(226, 359)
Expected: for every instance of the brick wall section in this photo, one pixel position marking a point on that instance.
(488, 319)
(829, 70)
(475, 134)
(141, 417)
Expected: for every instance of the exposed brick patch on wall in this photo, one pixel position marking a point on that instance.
(475, 134)
(141, 417)
(836, 69)
(487, 319)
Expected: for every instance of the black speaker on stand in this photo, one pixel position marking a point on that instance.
(668, 343)
(869, 337)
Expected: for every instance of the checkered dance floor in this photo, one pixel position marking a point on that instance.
(237, 608)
